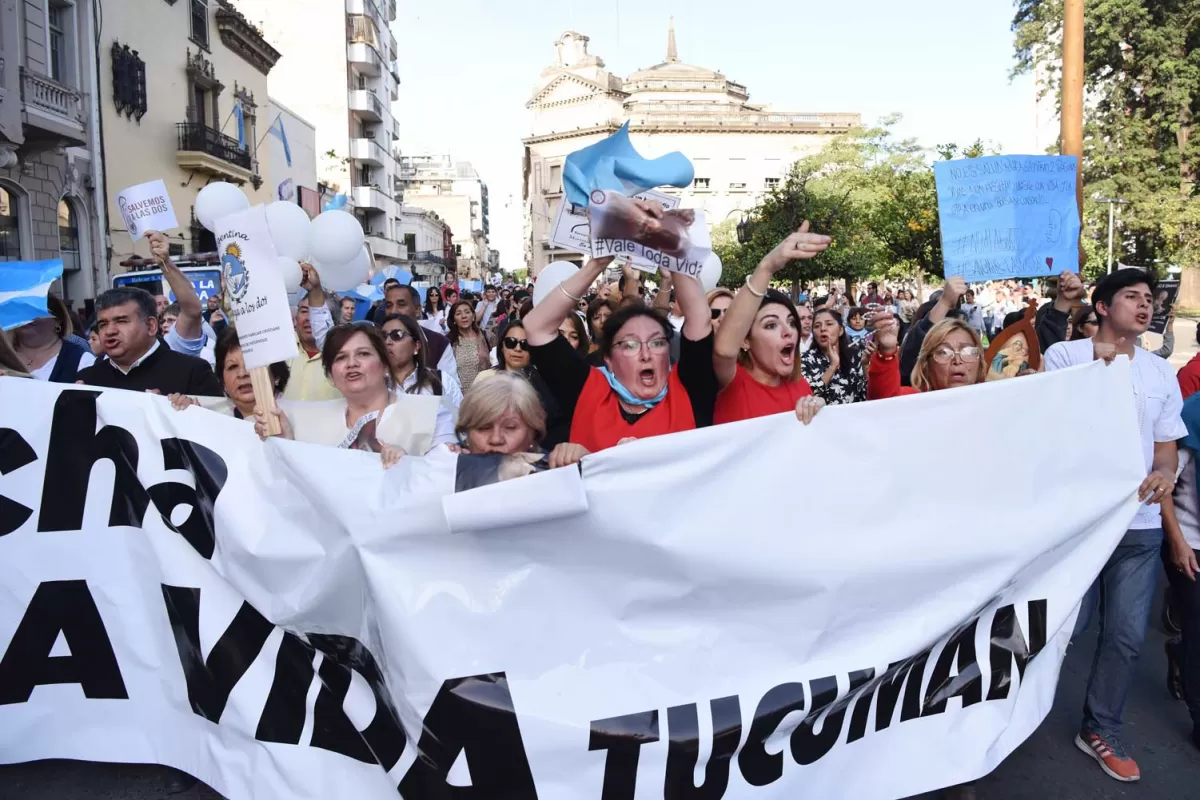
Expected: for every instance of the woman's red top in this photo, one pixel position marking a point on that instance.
(746, 398)
(883, 377)
(598, 422)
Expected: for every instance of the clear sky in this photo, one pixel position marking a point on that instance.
(467, 68)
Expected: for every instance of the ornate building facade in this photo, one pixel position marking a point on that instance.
(739, 149)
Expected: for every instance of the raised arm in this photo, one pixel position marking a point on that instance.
(954, 288)
(541, 323)
(188, 325)
(320, 318)
(801, 245)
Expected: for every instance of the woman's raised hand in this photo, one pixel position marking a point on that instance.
(800, 246)
(260, 423)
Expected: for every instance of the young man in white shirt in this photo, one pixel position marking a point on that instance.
(1124, 303)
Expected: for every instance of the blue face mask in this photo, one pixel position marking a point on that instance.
(627, 395)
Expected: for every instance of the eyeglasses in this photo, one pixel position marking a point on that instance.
(512, 343)
(1090, 321)
(717, 313)
(631, 347)
(945, 354)
(397, 335)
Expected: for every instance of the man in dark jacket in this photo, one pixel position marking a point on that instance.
(136, 360)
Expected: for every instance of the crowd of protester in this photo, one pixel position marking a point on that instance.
(596, 364)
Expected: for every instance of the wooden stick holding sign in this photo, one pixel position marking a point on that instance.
(264, 398)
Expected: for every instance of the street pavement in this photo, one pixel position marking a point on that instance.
(1046, 767)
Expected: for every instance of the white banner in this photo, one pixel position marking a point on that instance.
(257, 295)
(762, 609)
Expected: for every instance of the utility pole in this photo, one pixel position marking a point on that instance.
(1071, 136)
(1113, 202)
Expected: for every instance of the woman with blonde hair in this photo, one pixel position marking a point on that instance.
(719, 301)
(951, 356)
(503, 415)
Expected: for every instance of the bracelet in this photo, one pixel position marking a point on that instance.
(568, 294)
(754, 291)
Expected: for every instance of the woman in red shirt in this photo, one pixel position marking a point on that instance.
(756, 354)
(951, 356)
(637, 393)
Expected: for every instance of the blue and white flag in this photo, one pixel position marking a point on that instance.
(613, 164)
(241, 123)
(392, 271)
(279, 133)
(23, 289)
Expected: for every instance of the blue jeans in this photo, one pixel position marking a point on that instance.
(1125, 592)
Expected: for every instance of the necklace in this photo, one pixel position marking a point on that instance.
(38, 354)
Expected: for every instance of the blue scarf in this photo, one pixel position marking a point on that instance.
(627, 396)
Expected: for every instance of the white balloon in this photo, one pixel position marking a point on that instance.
(219, 200)
(550, 277)
(710, 273)
(335, 237)
(289, 225)
(292, 274)
(346, 276)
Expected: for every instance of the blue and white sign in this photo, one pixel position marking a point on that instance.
(1008, 216)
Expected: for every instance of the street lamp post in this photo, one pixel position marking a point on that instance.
(1113, 202)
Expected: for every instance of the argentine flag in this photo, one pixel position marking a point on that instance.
(23, 289)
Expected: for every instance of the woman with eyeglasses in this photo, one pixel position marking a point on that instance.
(411, 374)
(1085, 323)
(469, 343)
(833, 366)
(756, 353)
(636, 394)
(951, 356)
(513, 355)
(719, 301)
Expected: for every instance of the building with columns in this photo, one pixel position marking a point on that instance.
(739, 149)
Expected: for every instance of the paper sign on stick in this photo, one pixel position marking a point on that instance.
(1164, 298)
(1008, 216)
(571, 231)
(257, 296)
(678, 241)
(146, 207)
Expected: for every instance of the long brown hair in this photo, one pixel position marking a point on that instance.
(425, 376)
(453, 326)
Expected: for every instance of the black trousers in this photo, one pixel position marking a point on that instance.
(1184, 597)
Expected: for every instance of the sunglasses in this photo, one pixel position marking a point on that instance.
(717, 313)
(511, 343)
(396, 335)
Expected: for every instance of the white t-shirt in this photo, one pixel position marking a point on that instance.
(42, 373)
(1155, 395)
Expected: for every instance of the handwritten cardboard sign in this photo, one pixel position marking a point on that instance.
(676, 241)
(146, 207)
(1008, 216)
(571, 229)
(258, 301)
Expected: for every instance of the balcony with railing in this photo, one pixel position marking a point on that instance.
(364, 58)
(371, 197)
(367, 104)
(368, 151)
(213, 153)
(391, 10)
(52, 110)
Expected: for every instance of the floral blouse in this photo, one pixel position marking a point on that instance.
(848, 387)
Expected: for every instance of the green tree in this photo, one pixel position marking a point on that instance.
(1142, 77)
